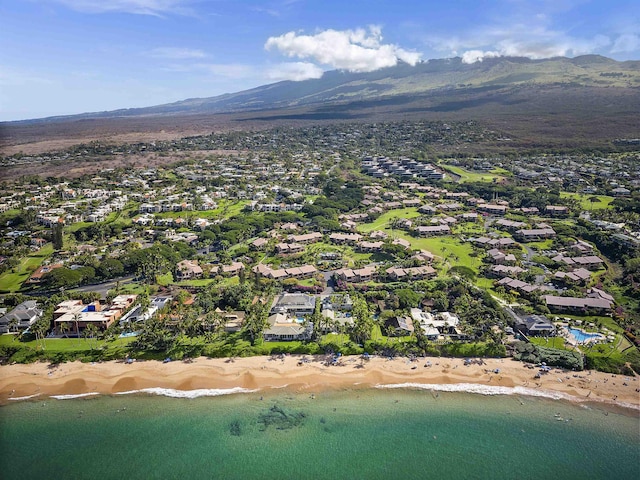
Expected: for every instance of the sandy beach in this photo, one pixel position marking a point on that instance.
(313, 375)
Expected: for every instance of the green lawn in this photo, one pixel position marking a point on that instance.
(451, 249)
(12, 280)
(456, 252)
(226, 209)
(76, 226)
(198, 282)
(469, 228)
(551, 342)
(122, 217)
(467, 176)
(382, 222)
(10, 215)
(542, 245)
(586, 204)
(164, 279)
(132, 288)
(347, 252)
(487, 284)
(55, 345)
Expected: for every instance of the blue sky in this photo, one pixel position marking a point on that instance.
(62, 57)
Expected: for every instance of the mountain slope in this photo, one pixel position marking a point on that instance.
(402, 80)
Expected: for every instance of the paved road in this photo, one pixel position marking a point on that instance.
(530, 252)
(329, 281)
(103, 288)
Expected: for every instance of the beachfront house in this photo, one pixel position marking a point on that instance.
(283, 328)
(73, 317)
(21, 317)
(295, 304)
(536, 325)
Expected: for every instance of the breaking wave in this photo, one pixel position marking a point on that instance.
(24, 398)
(203, 392)
(77, 395)
(493, 390)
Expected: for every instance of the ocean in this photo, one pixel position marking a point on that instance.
(400, 433)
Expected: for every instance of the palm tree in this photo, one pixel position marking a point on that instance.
(90, 333)
(40, 329)
(76, 319)
(13, 324)
(64, 328)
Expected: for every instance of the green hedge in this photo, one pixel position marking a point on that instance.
(530, 353)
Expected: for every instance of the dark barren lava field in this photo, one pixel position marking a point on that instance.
(586, 102)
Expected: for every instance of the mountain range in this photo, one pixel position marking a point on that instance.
(550, 102)
(435, 77)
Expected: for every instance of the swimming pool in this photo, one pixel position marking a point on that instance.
(584, 337)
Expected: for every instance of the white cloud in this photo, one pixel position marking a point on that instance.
(295, 71)
(628, 42)
(354, 50)
(473, 56)
(174, 53)
(542, 44)
(139, 7)
(529, 30)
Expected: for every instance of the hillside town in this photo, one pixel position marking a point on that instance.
(327, 239)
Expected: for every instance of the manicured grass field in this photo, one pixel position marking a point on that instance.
(167, 279)
(383, 221)
(226, 209)
(164, 279)
(132, 288)
(12, 280)
(65, 344)
(466, 176)
(542, 245)
(451, 249)
(76, 226)
(486, 284)
(198, 282)
(551, 342)
(586, 204)
(456, 252)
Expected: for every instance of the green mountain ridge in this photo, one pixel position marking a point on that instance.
(425, 78)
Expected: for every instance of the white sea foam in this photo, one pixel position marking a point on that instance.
(77, 395)
(203, 392)
(25, 398)
(497, 390)
(628, 405)
(484, 390)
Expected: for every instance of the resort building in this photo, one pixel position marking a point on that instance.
(73, 317)
(188, 269)
(536, 325)
(574, 304)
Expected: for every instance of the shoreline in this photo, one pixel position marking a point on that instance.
(215, 376)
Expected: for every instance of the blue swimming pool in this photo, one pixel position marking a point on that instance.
(582, 336)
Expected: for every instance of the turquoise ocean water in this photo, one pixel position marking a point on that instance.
(356, 434)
